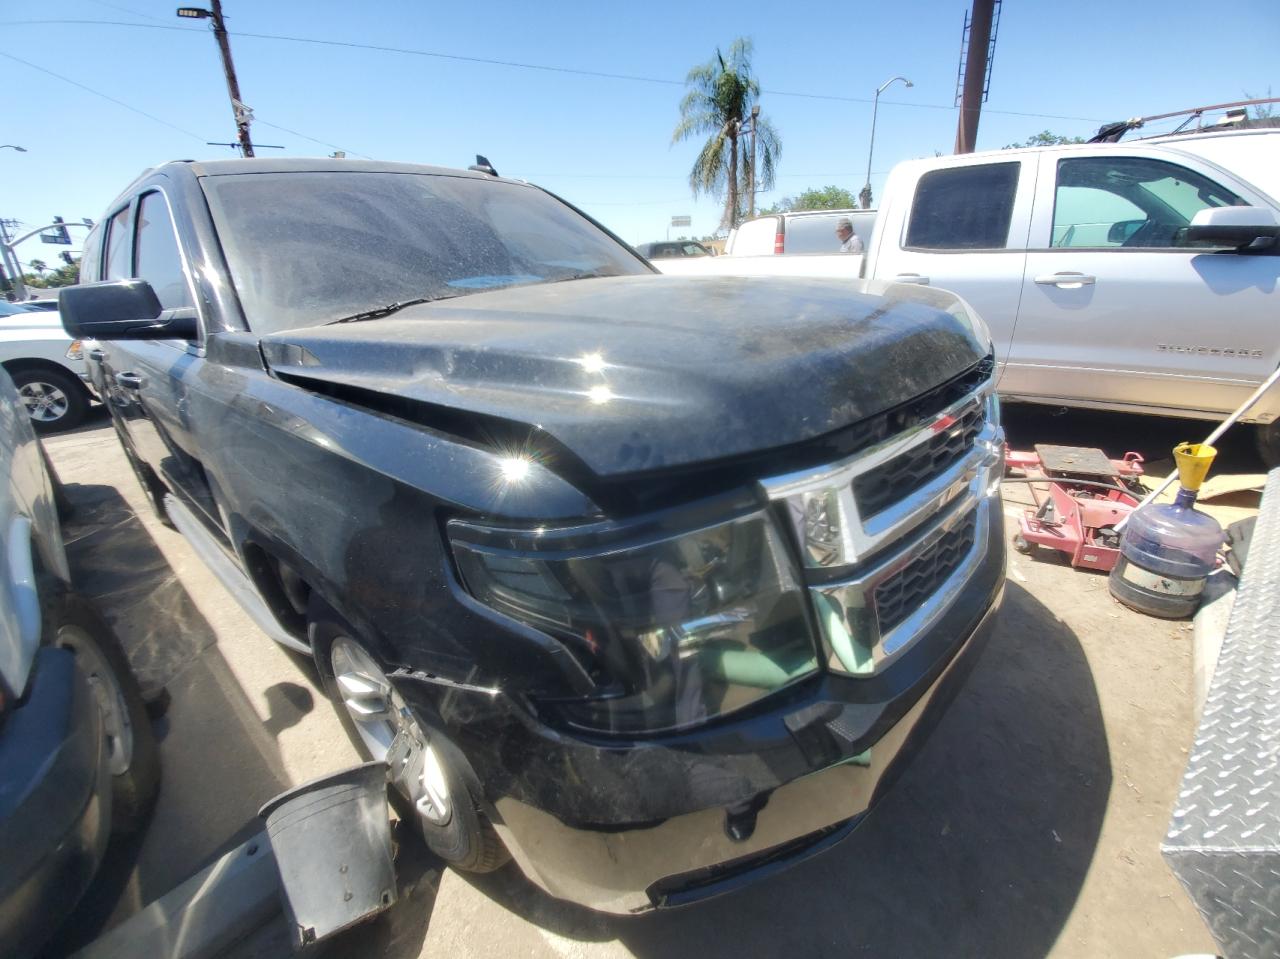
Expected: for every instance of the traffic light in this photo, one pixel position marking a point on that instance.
(67, 258)
(63, 235)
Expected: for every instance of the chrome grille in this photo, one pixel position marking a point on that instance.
(879, 488)
(890, 535)
(907, 590)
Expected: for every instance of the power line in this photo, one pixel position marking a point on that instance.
(157, 119)
(97, 93)
(276, 126)
(547, 68)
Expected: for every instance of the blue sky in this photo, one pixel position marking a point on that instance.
(602, 143)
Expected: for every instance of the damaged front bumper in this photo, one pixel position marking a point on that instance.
(625, 826)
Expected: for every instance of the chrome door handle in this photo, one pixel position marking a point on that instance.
(911, 278)
(1066, 281)
(130, 381)
(97, 355)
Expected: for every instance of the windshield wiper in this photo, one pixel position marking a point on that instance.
(387, 310)
(580, 275)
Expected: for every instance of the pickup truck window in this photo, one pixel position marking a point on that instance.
(305, 249)
(813, 234)
(117, 266)
(157, 259)
(964, 208)
(1129, 202)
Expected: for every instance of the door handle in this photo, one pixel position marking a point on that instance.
(97, 355)
(130, 381)
(1066, 281)
(911, 278)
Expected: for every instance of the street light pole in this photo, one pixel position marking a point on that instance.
(238, 109)
(865, 196)
(12, 146)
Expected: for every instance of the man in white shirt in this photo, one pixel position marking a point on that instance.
(849, 242)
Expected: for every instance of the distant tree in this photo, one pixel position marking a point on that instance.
(825, 198)
(1044, 139)
(68, 275)
(718, 104)
(816, 198)
(39, 266)
(1262, 111)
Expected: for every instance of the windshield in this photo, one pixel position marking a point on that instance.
(305, 249)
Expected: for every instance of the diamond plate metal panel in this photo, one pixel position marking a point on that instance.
(1224, 838)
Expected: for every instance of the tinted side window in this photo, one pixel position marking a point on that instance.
(964, 208)
(1130, 202)
(117, 265)
(157, 259)
(813, 234)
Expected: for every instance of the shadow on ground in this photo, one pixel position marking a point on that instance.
(980, 849)
(1117, 433)
(218, 761)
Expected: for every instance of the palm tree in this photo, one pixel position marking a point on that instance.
(719, 103)
(39, 266)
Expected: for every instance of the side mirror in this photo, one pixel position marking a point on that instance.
(1120, 231)
(1249, 229)
(122, 310)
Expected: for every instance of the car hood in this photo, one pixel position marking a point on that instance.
(639, 373)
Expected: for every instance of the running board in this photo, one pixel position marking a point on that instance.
(236, 582)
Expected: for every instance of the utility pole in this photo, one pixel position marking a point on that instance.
(241, 112)
(976, 67)
(10, 259)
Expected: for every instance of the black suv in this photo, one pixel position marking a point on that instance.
(646, 581)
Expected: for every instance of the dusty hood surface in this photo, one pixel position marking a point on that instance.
(644, 372)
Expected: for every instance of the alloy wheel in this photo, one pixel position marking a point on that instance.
(390, 732)
(44, 402)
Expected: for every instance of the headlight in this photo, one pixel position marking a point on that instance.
(673, 630)
(75, 351)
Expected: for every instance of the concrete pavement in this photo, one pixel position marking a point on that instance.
(1029, 825)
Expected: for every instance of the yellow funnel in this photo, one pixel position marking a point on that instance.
(1194, 460)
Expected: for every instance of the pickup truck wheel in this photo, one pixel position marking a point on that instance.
(132, 751)
(1269, 444)
(426, 769)
(54, 399)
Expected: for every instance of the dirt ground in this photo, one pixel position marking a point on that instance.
(1029, 825)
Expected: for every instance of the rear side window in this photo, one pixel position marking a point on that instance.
(158, 261)
(817, 234)
(117, 265)
(964, 208)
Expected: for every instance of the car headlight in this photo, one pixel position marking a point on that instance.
(75, 351)
(673, 630)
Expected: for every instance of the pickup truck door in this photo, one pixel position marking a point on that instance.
(960, 227)
(149, 381)
(1117, 310)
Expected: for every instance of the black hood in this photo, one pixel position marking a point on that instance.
(639, 373)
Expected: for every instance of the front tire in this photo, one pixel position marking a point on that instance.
(1268, 438)
(55, 400)
(431, 782)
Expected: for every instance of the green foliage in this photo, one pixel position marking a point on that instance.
(1262, 111)
(718, 105)
(816, 198)
(1044, 139)
(51, 279)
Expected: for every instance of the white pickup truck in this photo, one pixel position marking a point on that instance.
(1113, 276)
(46, 365)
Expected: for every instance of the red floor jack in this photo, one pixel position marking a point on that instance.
(1086, 496)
